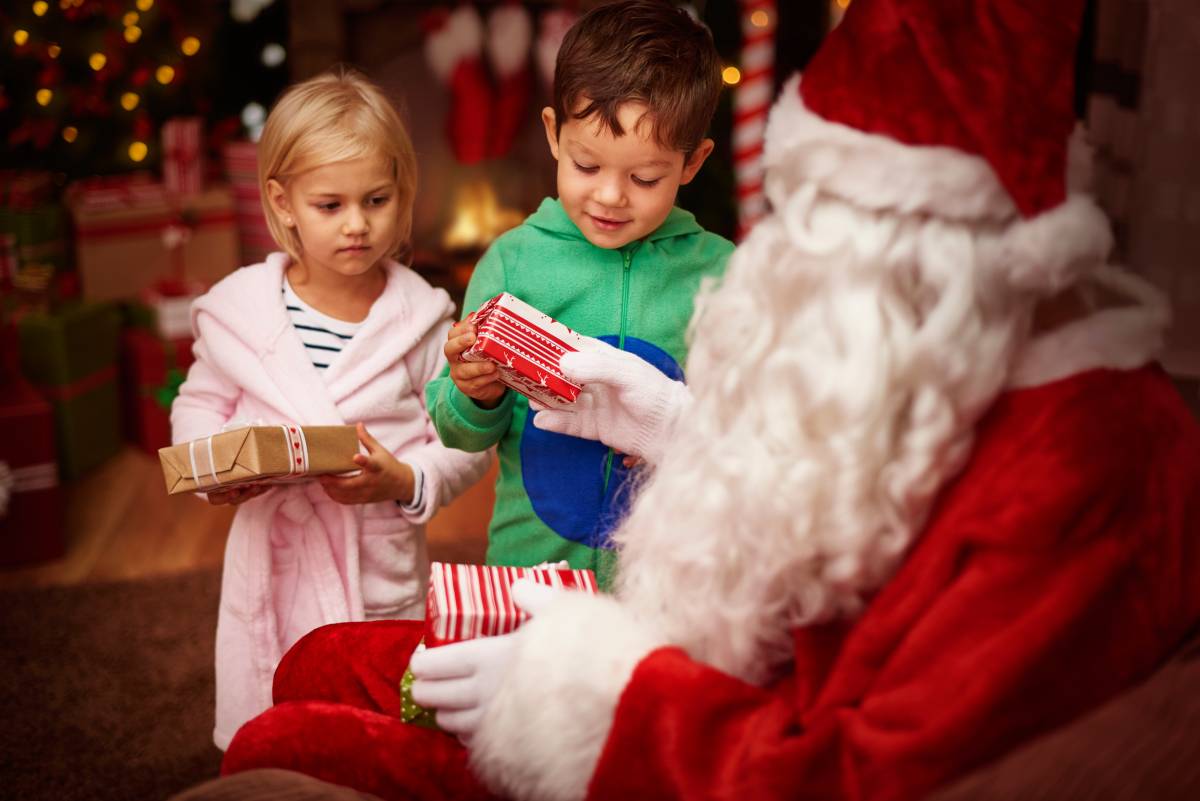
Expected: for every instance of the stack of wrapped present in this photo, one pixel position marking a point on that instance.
(30, 503)
(241, 171)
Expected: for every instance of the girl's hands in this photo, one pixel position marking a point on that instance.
(479, 381)
(236, 495)
(383, 477)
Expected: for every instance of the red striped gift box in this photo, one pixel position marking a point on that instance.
(183, 155)
(526, 345)
(469, 601)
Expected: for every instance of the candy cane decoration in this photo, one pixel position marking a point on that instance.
(751, 102)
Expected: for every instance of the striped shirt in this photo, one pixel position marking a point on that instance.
(322, 335)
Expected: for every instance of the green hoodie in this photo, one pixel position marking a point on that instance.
(559, 497)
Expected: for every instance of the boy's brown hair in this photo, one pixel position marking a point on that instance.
(649, 51)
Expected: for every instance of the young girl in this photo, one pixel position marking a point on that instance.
(331, 331)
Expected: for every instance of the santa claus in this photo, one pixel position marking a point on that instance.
(924, 496)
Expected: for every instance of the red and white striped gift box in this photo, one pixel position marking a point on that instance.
(469, 601)
(526, 345)
(183, 155)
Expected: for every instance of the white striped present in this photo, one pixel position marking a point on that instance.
(469, 601)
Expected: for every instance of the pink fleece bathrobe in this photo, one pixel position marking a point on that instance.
(295, 559)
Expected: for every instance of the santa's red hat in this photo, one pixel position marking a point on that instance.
(961, 110)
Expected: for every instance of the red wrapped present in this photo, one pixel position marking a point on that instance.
(151, 371)
(469, 601)
(31, 506)
(183, 155)
(526, 345)
(20, 189)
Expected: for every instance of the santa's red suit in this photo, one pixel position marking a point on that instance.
(1051, 568)
(1060, 568)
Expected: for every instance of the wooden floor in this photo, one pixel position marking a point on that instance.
(121, 524)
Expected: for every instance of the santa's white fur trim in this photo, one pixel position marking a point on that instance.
(1121, 338)
(542, 734)
(509, 38)
(1049, 252)
(875, 171)
(460, 39)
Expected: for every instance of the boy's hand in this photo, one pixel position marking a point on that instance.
(479, 381)
(383, 477)
(236, 495)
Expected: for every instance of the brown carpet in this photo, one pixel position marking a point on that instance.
(107, 689)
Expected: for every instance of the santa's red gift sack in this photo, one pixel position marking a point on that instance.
(526, 345)
(469, 601)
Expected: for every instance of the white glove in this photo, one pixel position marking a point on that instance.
(626, 403)
(460, 679)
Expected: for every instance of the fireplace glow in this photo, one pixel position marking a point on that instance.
(478, 218)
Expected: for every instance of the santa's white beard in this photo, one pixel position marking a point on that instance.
(838, 374)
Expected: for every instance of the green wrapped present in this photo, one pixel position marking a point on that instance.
(410, 710)
(38, 238)
(71, 355)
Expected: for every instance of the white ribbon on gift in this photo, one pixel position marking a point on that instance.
(30, 478)
(293, 436)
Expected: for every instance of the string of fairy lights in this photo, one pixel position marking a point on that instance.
(113, 57)
(85, 85)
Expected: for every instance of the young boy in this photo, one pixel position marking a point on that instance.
(635, 87)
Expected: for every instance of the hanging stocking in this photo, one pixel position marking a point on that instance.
(453, 48)
(510, 34)
(555, 24)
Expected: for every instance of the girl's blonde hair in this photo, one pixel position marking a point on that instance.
(336, 116)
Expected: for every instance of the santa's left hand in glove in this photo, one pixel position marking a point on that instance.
(460, 679)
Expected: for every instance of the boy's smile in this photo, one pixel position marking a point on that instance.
(617, 189)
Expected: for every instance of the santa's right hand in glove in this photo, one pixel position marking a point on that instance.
(626, 402)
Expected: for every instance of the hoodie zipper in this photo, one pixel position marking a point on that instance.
(627, 257)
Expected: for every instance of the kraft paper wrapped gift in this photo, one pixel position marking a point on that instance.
(258, 454)
(470, 601)
(128, 239)
(526, 345)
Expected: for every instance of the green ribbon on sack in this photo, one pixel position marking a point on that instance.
(410, 710)
(165, 395)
